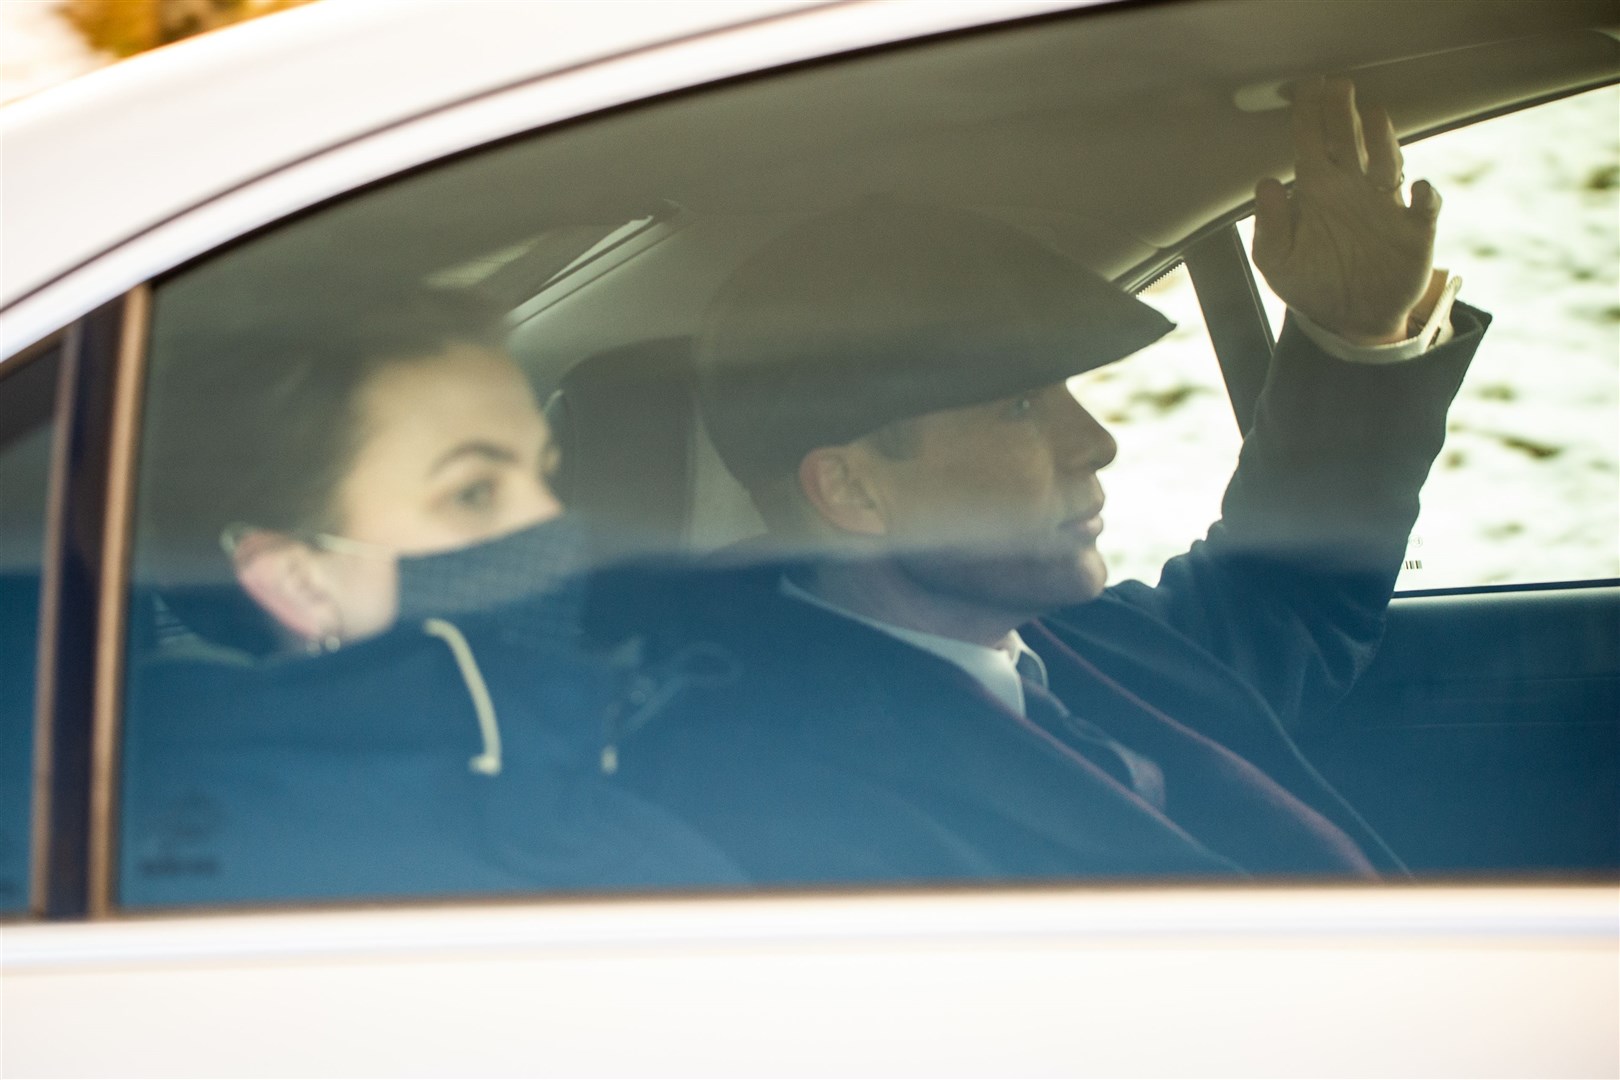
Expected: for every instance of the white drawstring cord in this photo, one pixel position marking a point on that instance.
(489, 762)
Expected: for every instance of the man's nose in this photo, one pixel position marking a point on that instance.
(1081, 443)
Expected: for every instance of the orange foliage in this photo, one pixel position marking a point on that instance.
(126, 27)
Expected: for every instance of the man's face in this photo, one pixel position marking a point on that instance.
(999, 504)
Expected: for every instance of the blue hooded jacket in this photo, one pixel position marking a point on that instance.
(439, 759)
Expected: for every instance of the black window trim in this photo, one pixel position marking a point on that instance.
(83, 589)
(61, 343)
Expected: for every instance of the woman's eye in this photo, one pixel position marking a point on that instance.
(1020, 407)
(478, 496)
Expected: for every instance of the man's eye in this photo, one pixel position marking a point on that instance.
(1020, 407)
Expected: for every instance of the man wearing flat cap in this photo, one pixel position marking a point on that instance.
(931, 679)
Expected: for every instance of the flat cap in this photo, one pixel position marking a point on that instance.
(889, 309)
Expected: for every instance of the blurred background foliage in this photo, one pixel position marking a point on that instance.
(126, 27)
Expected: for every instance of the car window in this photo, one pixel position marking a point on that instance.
(1527, 489)
(1178, 441)
(525, 524)
(1528, 486)
(27, 397)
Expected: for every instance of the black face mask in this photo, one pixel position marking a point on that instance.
(532, 582)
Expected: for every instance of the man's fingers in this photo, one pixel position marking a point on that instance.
(1383, 150)
(1341, 125)
(1305, 117)
(1273, 225)
(1425, 203)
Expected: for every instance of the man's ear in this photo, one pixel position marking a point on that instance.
(838, 485)
(283, 577)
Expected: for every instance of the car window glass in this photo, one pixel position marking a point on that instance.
(1167, 407)
(27, 395)
(1527, 489)
(480, 548)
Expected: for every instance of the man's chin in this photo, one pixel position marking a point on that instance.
(1094, 574)
(1074, 589)
(1027, 586)
(1075, 578)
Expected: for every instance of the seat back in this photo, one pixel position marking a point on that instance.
(636, 459)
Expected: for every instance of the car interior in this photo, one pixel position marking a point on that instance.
(1485, 739)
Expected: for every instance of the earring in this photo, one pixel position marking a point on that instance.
(328, 641)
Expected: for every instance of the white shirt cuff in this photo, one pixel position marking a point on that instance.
(1436, 330)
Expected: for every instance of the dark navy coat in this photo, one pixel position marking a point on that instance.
(840, 754)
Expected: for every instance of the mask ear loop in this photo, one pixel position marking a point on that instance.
(231, 536)
(343, 545)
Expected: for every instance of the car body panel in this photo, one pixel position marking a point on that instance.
(1177, 981)
(1274, 980)
(275, 92)
(309, 105)
(1483, 738)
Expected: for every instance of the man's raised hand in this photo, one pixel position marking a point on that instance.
(1343, 247)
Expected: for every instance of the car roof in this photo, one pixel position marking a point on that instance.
(95, 161)
(1090, 123)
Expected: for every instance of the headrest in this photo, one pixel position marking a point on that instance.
(622, 420)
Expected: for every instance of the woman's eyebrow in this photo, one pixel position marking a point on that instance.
(487, 451)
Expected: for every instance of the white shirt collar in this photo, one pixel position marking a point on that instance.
(995, 668)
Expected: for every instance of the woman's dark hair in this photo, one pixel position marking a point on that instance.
(251, 408)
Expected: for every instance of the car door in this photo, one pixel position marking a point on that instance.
(603, 226)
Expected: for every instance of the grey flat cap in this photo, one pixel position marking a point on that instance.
(891, 309)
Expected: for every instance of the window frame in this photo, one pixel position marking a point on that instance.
(60, 343)
(86, 572)
(81, 632)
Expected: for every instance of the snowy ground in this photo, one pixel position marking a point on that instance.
(1527, 488)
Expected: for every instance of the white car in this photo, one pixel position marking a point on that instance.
(598, 170)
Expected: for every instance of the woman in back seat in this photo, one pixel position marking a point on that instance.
(381, 691)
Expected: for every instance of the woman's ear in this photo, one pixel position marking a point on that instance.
(284, 577)
(838, 484)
